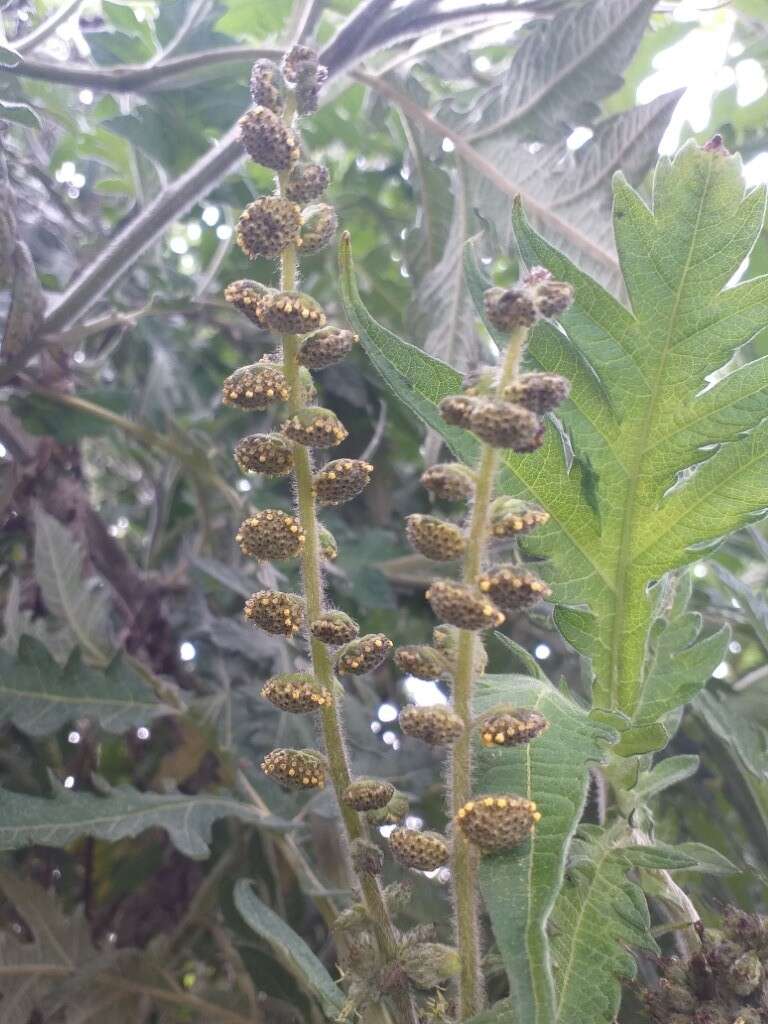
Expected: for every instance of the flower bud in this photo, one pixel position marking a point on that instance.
(306, 182)
(398, 897)
(511, 727)
(368, 794)
(292, 313)
(481, 382)
(315, 428)
(249, 297)
(456, 410)
(267, 85)
(270, 534)
(511, 517)
(506, 425)
(267, 140)
(275, 612)
(269, 454)
(297, 769)
(354, 918)
(341, 481)
(325, 347)
(334, 628)
(513, 589)
(462, 605)
(395, 811)
(302, 69)
(267, 226)
(364, 654)
(318, 226)
(435, 538)
(329, 549)
(497, 822)
(296, 692)
(255, 387)
(449, 481)
(539, 392)
(423, 851)
(294, 58)
(509, 308)
(367, 858)
(550, 297)
(421, 661)
(434, 724)
(429, 964)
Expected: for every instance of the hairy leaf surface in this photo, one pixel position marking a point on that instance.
(520, 887)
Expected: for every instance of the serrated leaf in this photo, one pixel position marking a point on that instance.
(59, 571)
(124, 812)
(520, 887)
(682, 857)
(562, 67)
(598, 914)
(39, 696)
(654, 481)
(289, 947)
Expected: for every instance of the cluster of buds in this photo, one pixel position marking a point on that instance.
(722, 982)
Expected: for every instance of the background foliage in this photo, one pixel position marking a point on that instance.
(132, 728)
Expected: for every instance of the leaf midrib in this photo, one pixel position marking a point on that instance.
(624, 561)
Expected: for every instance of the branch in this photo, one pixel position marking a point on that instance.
(134, 78)
(485, 167)
(45, 28)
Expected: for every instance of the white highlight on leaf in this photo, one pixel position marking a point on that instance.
(722, 670)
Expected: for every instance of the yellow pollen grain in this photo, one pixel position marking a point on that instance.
(489, 801)
(499, 737)
(537, 816)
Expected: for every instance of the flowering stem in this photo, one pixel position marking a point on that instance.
(332, 726)
(464, 861)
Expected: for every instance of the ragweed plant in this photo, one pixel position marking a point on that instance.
(381, 962)
(502, 407)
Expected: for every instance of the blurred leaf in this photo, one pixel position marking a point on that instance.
(519, 887)
(252, 19)
(39, 696)
(9, 58)
(289, 947)
(31, 820)
(41, 415)
(19, 113)
(59, 571)
(664, 774)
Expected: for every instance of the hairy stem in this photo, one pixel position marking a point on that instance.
(332, 727)
(464, 864)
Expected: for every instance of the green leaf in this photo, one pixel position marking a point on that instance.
(682, 857)
(19, 113)
(664, 465)
(38, 696)
(9, 58)
(520, 887)
(124, 812)
(666, 773)
(59, 571)
(599, 913)
(289, 947)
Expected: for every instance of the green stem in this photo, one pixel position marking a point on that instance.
(464, 860)
(332, 726)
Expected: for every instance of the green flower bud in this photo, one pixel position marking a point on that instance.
(267, 226)
(449, 481)
(513, 589)
(511, 727)
(269, 454)
(435, 724)
(421, 661)
(275, 612)
(318, 226)
(249, 297)
(395, 811)
(341, 481)
(270, 534)
(296, 769)
(538, 392)
(368, 794)
(267, 85)
(503, 424)
(268, 140)
(325, 347)
(497, 822)
(296, 692)
(364, 654)
(461, 605)
(255, 387)
(422, 851)
(429, 964)
(434, 538)
(315, 428)
(292, 313)
(456, 410)
(334, 628)
(511, 517)
(306, 183)
(367, 858)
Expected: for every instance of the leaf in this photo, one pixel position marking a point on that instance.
(38, 696)
(682, 857)
(739, 720)
(664, 463)
(9, 58)
(59, 571)
(519, 888)
(666, 773)
(598, 913)
(572, 190)
(19, 113)
(562, 67)
(124, 812)
(289, 947)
